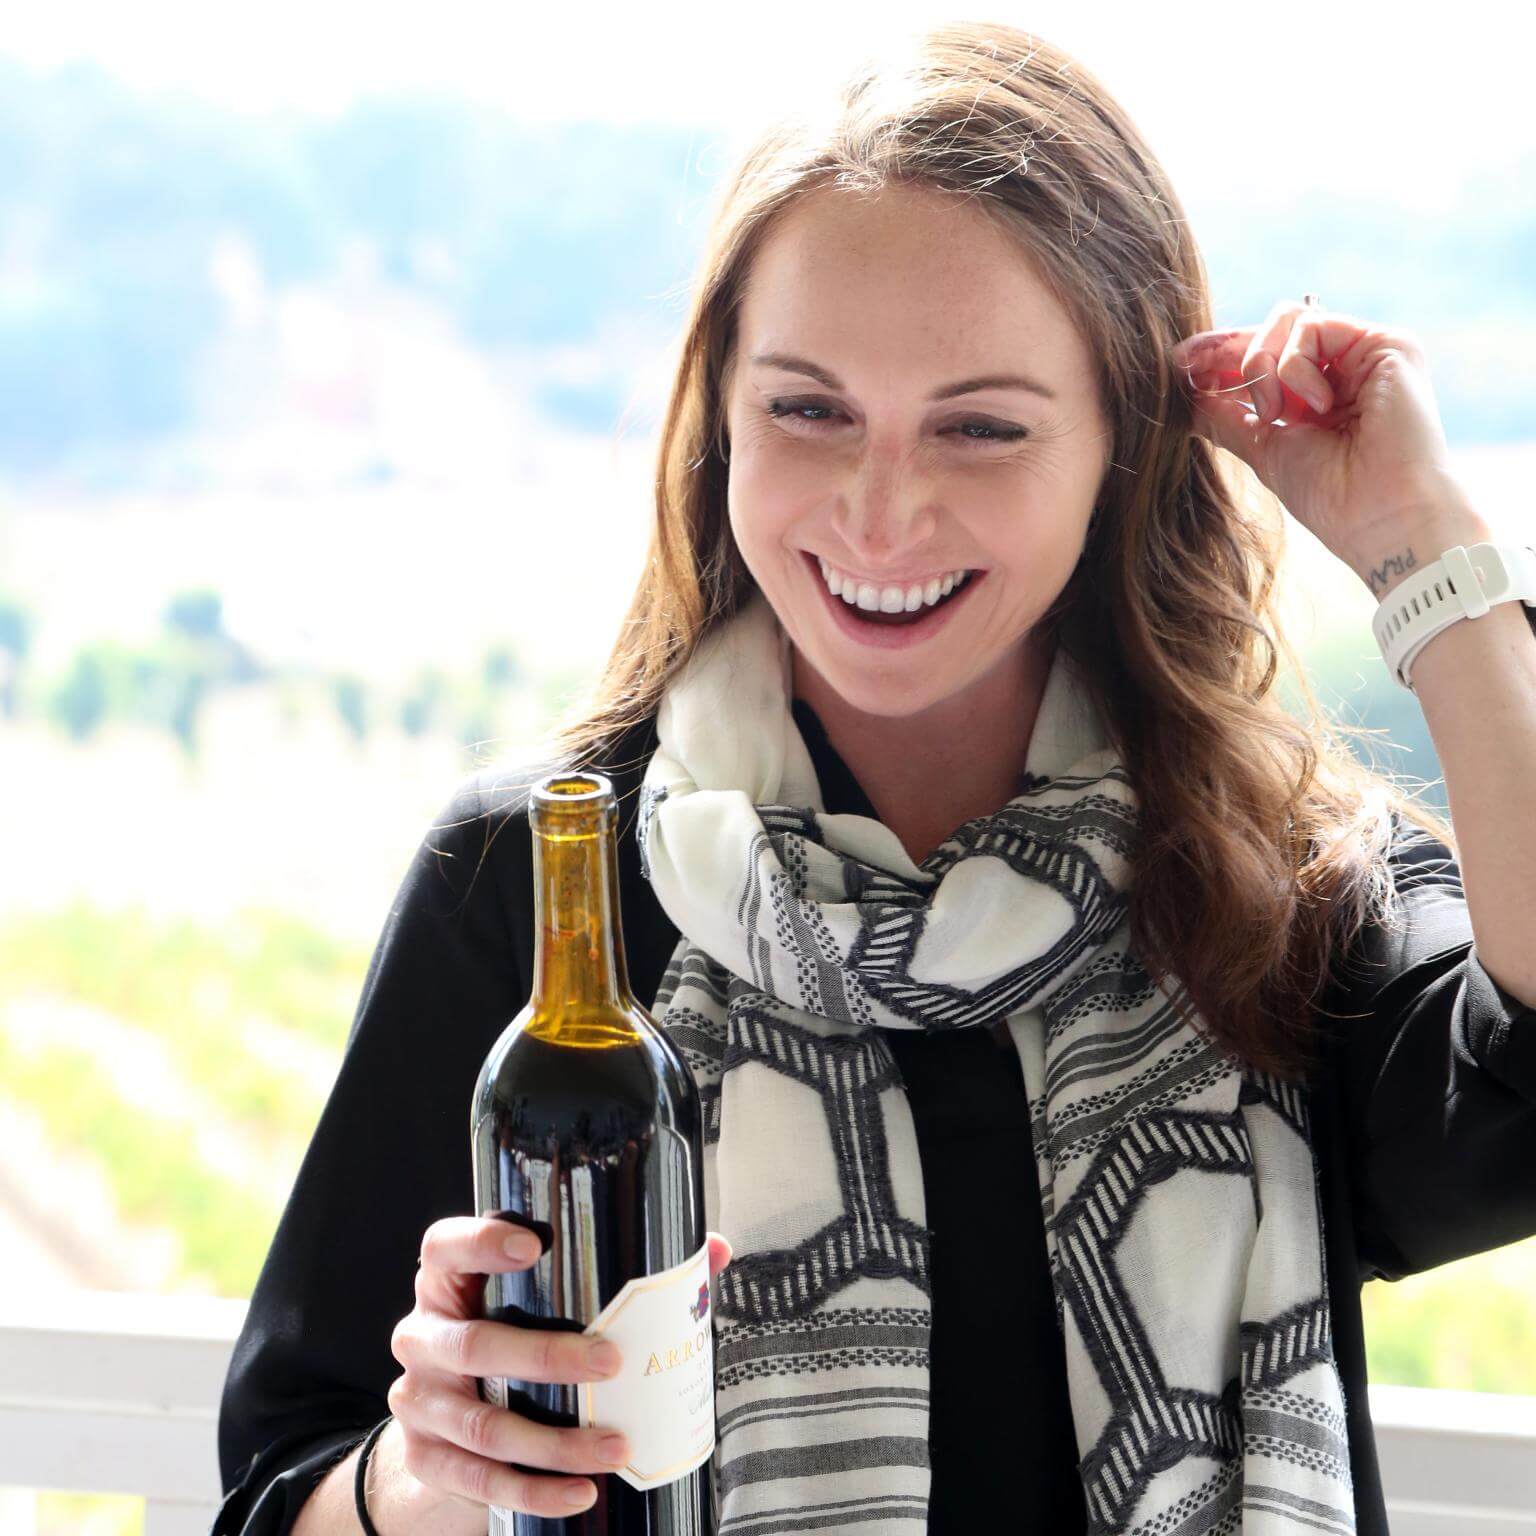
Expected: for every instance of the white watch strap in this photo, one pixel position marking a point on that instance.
(1464, 583)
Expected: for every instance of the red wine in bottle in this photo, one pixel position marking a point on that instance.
(586, 1127)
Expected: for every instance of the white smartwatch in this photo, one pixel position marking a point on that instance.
(1464, 583)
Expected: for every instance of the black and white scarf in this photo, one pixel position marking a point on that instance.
(1178, 1186)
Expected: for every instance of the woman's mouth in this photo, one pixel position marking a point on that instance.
(891, 631)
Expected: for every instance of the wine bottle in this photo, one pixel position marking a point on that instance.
(586, 1127)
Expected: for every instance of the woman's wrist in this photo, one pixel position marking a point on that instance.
(399, 1503)
(365, 1470)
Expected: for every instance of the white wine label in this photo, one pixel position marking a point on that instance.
(664, 1395)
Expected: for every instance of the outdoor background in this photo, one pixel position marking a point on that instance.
(331, 358)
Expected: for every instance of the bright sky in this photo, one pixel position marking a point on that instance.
(1226, 93)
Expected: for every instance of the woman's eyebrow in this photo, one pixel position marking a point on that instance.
(792, 364)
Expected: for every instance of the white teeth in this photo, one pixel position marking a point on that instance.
(889, 599)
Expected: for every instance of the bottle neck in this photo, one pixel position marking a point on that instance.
(578, 954)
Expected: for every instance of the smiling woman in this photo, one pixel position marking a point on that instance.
(998, 925)
(906, 357)
(928, 451)
(934, 333)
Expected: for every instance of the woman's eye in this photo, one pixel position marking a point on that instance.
(992, 433)
(783, 408)
(997, 434)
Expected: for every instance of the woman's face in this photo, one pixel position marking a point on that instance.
(850, 441)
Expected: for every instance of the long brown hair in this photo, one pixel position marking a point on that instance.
(1264, 839)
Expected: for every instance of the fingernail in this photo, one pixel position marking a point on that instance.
(603, 1356)
(523, 1245)
(579, 1494)
(613, 1450)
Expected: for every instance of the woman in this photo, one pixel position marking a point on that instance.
(1097, 1262)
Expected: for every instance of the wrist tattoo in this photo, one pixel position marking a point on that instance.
(1390, 571)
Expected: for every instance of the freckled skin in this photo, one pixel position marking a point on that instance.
(895, 296)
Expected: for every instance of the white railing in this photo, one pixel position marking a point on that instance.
(105, 1392)
(110, 1392)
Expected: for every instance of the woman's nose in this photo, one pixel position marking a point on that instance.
(883, 517)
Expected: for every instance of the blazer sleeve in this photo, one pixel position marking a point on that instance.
(1438, 1073)
(390, 1154)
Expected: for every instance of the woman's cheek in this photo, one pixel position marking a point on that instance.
(760, 507)
(773, 483)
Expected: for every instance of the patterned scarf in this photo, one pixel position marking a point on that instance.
(1178, 1186)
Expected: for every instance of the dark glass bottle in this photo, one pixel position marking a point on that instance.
(586, 1127)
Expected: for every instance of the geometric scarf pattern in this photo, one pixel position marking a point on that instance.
(1178, 1186)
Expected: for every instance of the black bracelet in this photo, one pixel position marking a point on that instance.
(378, 1429)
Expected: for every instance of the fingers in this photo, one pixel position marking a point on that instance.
(1261, 359)
(1298, 362)
(451, 1346)
(1287, 362)
(446, 1333)
(502, 1435)
(1301, 363)
(458, 1251)
(1208, 354)
(461, 1444)
(1215, 367)
(487, 1245)
(719, 1252)
(455, 1470)
(478, 1244)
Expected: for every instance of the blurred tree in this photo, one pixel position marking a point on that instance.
(194, 657)
(349, 693)
(186, 710)
(15, 641)
(82, 700)
(197, 614)
(15, 626)
(154, 687)
(422, 708)
(501, 668)
(168, 684)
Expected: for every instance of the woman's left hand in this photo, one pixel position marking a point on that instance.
(1338, 419)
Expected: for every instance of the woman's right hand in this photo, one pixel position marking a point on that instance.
(454, 1443)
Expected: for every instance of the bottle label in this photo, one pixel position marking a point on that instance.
(664, 1395)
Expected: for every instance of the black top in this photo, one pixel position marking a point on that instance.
(1000, 1433)
(1424, 1120)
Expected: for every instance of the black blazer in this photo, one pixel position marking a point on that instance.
(1424, 1129)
